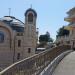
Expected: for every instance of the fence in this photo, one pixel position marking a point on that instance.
(35, 64)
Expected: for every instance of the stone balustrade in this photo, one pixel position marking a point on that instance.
(34, 65)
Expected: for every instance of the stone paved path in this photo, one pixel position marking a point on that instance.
(66, 66)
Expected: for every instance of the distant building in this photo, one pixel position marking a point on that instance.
(17, 39)
(70, 39)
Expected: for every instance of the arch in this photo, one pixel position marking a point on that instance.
(31, 10)
(30, 17)
(5, 26)
(1, 37)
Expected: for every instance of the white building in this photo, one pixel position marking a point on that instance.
(70, 39)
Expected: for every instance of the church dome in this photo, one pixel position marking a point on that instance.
(32, 10)
(12, 20)
(14, 23)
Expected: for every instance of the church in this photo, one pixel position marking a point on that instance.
(17, 39)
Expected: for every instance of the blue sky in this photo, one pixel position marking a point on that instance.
(50, 13)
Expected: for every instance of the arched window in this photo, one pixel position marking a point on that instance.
(1, 37)
(30, 17)
(18, 56)
(29, 50)
(19, 43)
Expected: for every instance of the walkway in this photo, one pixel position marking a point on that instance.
(66, 66)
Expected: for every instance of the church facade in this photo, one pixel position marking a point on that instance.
(17, 39)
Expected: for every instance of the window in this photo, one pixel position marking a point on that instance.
(30, 17)
(1, 37)
(19, 43)
(72, 31)
(68, 42)
(73, 44)
(18, 56)
(19, 34)
(29, 50)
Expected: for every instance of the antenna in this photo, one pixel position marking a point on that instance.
(9, 11)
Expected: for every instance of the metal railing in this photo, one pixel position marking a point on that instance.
(35, 64)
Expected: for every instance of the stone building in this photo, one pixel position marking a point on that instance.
(17, 39)
(70, 39)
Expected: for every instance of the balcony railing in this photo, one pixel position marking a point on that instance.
(34, 65)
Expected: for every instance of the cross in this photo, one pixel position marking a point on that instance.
(9, 11)
(31, 5)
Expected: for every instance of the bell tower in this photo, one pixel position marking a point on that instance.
(30, 32)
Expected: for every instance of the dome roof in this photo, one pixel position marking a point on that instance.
(30, 9)
(12, 20)
(14, 23)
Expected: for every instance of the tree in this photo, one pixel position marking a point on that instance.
(62, 32)
(45, 38)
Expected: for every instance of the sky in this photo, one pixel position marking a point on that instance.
(50, 13)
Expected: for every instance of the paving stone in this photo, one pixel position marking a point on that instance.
(66, 66)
